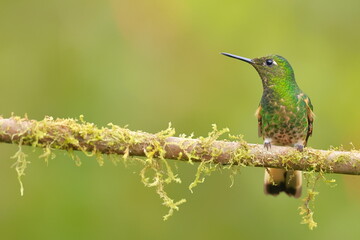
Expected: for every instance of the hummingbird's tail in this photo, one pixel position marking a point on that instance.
(280, 180)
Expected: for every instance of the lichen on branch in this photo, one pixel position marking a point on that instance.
(153, 150)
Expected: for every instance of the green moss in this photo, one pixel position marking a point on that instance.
(157, 171)
(205, 168)
(242, 155)
(47, 154)
(20, 166)
(240, 158)
(306, 209)
(206, 149)
(162, 173)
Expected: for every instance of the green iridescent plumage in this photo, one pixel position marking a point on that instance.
(285, 112)
(284, 115)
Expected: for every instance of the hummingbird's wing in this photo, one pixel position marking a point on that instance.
(310, 117)
(259, 118)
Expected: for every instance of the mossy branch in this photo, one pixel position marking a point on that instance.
(69, 134)
(155, 149)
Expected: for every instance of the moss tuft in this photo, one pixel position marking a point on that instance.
(20, 166)
(240, 158)
(205, 148)
(162, 173)
(306, 209)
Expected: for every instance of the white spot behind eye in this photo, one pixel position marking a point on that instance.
(270, 62)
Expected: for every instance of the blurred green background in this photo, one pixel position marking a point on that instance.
(147, 63)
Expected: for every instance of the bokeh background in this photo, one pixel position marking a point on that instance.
(146, 63)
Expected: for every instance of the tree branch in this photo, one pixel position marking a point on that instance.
(69, 134)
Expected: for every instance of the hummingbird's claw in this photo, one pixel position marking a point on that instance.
(267, 145)
(299, 147)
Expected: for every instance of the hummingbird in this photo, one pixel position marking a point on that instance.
(285, 118)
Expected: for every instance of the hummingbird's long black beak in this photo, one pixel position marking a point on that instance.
(248, 60)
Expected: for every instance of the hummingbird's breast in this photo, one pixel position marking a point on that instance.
(284, 120)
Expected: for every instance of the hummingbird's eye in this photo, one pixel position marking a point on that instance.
(269, 62)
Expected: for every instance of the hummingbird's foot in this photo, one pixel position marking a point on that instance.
(299, 147)
(267, 144)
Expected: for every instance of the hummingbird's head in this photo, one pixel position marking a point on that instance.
(273, 69)
(272, 66)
